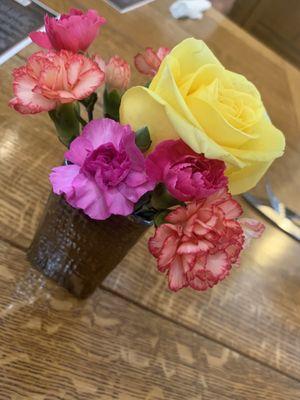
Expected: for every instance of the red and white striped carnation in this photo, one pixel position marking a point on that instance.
(199, 243)
(252, 229)
(149, 61)
(53, 78)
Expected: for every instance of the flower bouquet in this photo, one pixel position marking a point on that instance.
(170, 153)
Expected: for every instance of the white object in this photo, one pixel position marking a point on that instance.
(189, 8)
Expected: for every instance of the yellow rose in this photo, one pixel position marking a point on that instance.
(215, 111)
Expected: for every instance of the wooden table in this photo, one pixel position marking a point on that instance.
(134, 339)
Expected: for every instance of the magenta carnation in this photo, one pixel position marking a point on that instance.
(107, 175)
(74, 31)
(188, 176)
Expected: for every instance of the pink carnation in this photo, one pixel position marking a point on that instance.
(199, 243)
(74, 31)
(108, 172)
(117, 72)
(49, 79)
(149, 61)
(252, 229)
(188, 176)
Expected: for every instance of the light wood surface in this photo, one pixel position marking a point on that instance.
(134, 339)
(109, 348)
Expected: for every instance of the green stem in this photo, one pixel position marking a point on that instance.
(89, 104)
(90, 114)
(161, 198)
(80, 119)
(66, 122)
(111, 104)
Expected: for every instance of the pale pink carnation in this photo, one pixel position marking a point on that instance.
(99, 61)
(149, 61)
(252, 229)
(117, 72)
(53, 78)
(107, 175)
(74, 31)
(188, 176)
(199, 243)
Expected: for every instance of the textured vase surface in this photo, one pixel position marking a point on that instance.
(78, 252)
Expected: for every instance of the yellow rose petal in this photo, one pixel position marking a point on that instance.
(191, 54)
(139, 109)
(244, 179)
(142, 107)
(214, 111)
(215, 126)
(168, 91)
(268, 145)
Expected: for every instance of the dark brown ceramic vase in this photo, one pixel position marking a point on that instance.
(78, 252)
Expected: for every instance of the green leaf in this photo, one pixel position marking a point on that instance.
(161, 198)
(142, 139)
(159, 218)
(66, 122)
(143, 202)
(90, 100)
(111, 104)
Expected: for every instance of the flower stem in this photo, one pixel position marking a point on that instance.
(161, 198)
(89, 104)
(90, 115)
(80, 119)
(111, 104)
(66, 122)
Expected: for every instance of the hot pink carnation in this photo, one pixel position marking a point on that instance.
(108, 172)
(149, 61)
(188, 176)
(74, 31)
(51, 78)
(199, 243)
(117, 72)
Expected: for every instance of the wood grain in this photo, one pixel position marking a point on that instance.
(55, 347)
(256, 310)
